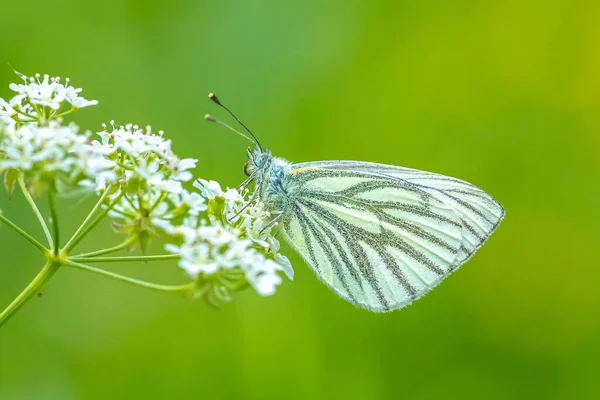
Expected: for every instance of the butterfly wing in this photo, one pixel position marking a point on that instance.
(382, 236)
(480, 213)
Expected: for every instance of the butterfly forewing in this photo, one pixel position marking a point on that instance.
(479, 213)
(380, 241)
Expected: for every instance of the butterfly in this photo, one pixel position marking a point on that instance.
(379, 236)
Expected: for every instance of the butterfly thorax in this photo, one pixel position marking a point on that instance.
(269, 173)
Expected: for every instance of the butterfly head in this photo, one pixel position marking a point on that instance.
(258, 160)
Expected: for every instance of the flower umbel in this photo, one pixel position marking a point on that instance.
(228, 249)
(53, 155)
(221, 242)
(50, 92)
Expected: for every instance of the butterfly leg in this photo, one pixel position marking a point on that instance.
(246, 182)
(271, 223)
(250, 201)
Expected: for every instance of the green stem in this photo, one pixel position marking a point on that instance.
(160, 199)
(140, 202)
(98, 219)
(113, 249)
(34, 287)
(38, 111)
(127, 167)
(163, 288)
(36, 211)
(23, 233)
(54, 216)
(131, 203)
(18, 110)
(87, 219)
(124, 214)
(69, 111)
(161, 257)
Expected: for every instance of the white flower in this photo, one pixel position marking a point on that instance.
(9, 113)
(180, 168)
(209, 189)
(148, 169)
(6, 113)
(94, 165)
(234, 200)
(286, 265)
(262, 273)
(193, 201)
(255, 220)
(50, 92)
(7, 108)
(72, 96)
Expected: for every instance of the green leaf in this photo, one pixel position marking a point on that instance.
(10, 181)
(144, 239)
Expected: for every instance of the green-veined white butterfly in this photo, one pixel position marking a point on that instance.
(380, 236)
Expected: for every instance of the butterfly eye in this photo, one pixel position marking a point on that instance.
(247, 169)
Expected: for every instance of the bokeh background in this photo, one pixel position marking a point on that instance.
(502, 93)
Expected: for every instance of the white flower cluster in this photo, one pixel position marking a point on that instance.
(35, 143)
(223, 243)
(150, 176)
(143, 158)
(215, 254)
(40, 99)
(51, 155)
(213, 251)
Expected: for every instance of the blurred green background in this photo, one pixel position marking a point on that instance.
(504, 94)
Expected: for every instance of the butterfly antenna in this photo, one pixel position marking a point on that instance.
(210, 118)
(218, 102)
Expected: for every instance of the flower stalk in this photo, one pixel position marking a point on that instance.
(137, 282)
(81, 232)
(21, 232)
(31, 290)
(35, 209)
(127, 243)
(54, 220)
(162, 257)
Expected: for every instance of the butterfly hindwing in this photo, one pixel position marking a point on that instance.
(378, 240)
